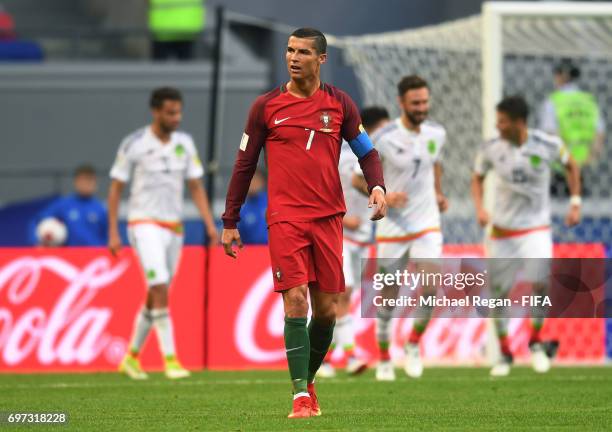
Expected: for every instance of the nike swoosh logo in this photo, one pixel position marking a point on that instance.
(293, 349)
(277, 121)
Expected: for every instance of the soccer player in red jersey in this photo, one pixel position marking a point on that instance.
(300, 125)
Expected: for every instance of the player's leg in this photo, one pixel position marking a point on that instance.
(342, 329)
(345, 328)
(426, 250)
(391, 256)
(164, 324)
(326, 266)
(148, 247)
(502, 365)
(297, 347)
(503, 268)
(290, 259)
(538, 247)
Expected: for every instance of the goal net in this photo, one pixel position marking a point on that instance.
(511, 48)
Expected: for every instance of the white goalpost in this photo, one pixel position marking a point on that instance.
(590, 19)
(509, 48)
(470, 63)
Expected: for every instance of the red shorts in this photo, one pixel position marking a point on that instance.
(307, 253)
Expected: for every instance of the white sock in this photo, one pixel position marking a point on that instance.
(142, 326)
(346, 332)
(383, 325)
(163, 326)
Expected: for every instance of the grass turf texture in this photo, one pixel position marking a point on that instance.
(572, 399)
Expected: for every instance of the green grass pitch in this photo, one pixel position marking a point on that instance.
(455, 399)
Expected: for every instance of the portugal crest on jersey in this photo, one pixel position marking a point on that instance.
(325, 121)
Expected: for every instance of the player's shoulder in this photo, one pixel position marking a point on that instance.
(263, 99)
(337, 93)
(492, 144)
(183, 137)
(545, 139)
(133, 139)
(386, 131)
(434, 128)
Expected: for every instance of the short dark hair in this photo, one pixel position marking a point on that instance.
(567, 67)
(411, 82)
(162, 94)
(320, 42)
(371, 115)
(514, 107)
(84, 169)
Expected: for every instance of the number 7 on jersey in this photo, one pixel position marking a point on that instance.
(310, 137)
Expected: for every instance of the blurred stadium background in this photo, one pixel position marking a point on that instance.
(75, 79)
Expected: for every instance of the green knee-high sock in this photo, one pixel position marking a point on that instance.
(320, 338)
(297, 345)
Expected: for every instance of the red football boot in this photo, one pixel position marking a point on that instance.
(302, 408)
(314, 402)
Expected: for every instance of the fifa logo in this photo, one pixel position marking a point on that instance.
(325, 120)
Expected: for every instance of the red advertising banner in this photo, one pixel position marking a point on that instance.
(246, 320)
(70, 309)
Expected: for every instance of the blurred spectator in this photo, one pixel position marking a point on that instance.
(12, 49)
(572, 114)
(7, 25)
(175, 26)
(253, 225)
(84, 215)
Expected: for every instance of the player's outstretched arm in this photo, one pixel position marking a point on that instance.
(572, 174)
(477, 193)
(114, 196)
(198, 195)
(228, 238)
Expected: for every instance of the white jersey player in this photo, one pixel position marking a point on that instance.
(157, 159)
(520, 223)
(409, 149)
(358, 231)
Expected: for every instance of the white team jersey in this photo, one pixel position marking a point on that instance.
(408, 160)
(522, 196)
(159, 174)
(356, 203)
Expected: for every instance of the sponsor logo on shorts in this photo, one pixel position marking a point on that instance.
(278, 274)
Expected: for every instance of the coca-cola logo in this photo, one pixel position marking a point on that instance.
(69, 331)
(258, 330)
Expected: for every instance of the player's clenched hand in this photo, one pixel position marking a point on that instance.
(396, 199)
(114, 243)
(442, 202)
(377, 200)
(573, 216)
(483, 217)
(228, 238)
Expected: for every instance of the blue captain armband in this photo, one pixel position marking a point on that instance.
(361, 145)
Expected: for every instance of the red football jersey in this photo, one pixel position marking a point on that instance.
(301, 138)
